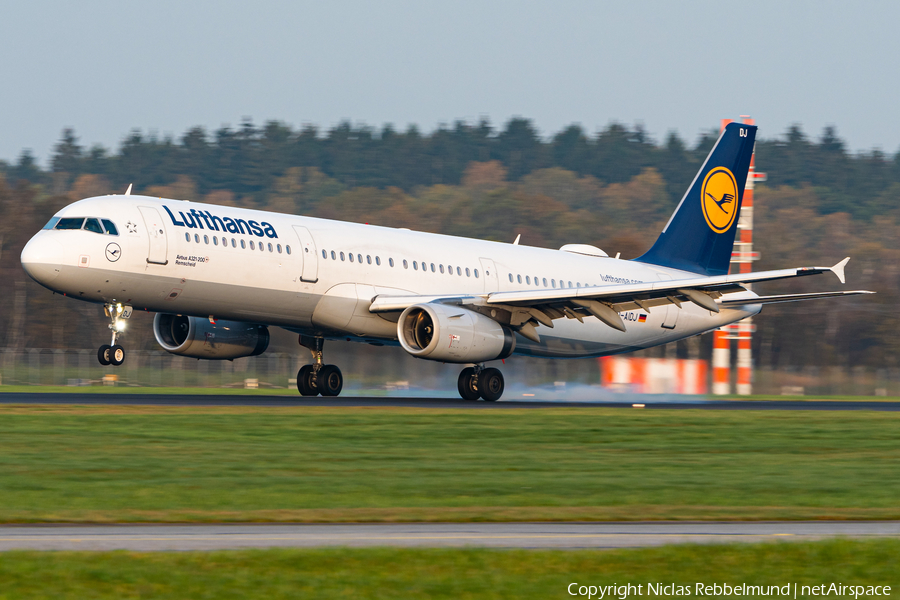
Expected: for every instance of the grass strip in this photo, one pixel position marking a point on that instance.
(168, 464)
(438, 573)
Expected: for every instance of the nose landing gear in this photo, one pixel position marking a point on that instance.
(318, 378)
(477, 382)
(112, 353)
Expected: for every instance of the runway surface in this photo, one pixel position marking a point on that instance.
(627, 401)
(491, 535)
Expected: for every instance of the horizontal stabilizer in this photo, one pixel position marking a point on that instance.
(788, 298)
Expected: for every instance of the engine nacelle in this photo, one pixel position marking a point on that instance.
(198, 338)
(452, 334)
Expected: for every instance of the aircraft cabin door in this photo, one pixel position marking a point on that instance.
(310, 272)
(671, 319)
(156, 231)
(489, 272)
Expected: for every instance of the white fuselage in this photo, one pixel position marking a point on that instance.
(316, 289)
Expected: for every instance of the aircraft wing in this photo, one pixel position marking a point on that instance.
(529, 307)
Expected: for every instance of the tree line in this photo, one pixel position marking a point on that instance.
(614, 190)
(248, 160)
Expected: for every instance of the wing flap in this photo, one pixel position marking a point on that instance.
(789, 298)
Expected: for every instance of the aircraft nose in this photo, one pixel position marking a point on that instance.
(41, 258)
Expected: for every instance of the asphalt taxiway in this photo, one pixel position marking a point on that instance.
(491, 535)
(629, 402)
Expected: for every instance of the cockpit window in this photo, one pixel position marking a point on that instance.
(110, 227)
(51, 223)
(70, 223)
(93, 225)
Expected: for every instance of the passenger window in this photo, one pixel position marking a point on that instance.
(391, 261)
(233, 243)
(262, 247)
(205, 239)
(359, 258)
(110, 227)
(553, 283)
(545, 281)
(225, 241)
(570, 284)
(442, 268)
(351, 257)
(215, 241)
(70, 223)
(510, 278)
(476, 273)
(459, 271)
(528, 279)
(333, 256)
(467, 271)
(578, 284)
(243, 245)
(196, 238)
(368, 259)
(342, 256)
(415, 266)
(187, 237)
(270, 246)
(378, 262)
(252, 245)
(287, 249)
(324, 254)
(278, 247)
(432, 268)
(93, 225)
(51, 223)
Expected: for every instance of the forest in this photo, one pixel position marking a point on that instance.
(614, 189)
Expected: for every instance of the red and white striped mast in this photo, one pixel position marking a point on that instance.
(743, 256)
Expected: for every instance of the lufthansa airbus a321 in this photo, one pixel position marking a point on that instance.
(218, 277)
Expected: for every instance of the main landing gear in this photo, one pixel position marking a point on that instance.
(112, 353)
(318, 378)
(477, 382)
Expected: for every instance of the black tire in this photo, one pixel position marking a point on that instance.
(330, 381)
(306, 382)
(103, 354)
(116, 355)
(490, 384)
(467, 384)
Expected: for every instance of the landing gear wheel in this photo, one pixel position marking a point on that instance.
(116, 355)
(330, 381)
(103, 354)
(490, 383)
(467, 384)
(306, 381)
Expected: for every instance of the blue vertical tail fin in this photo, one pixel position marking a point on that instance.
(699, 236)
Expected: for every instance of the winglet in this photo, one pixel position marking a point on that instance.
(838, 269)
(128, 191)
(518, 237)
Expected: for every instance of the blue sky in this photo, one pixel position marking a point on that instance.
(105, 68)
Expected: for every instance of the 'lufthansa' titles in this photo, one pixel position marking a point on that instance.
(196, 218)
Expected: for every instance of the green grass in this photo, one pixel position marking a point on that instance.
(116, 463)
(437, 573)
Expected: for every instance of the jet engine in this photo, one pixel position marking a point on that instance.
(199, 338)
(452, 334)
